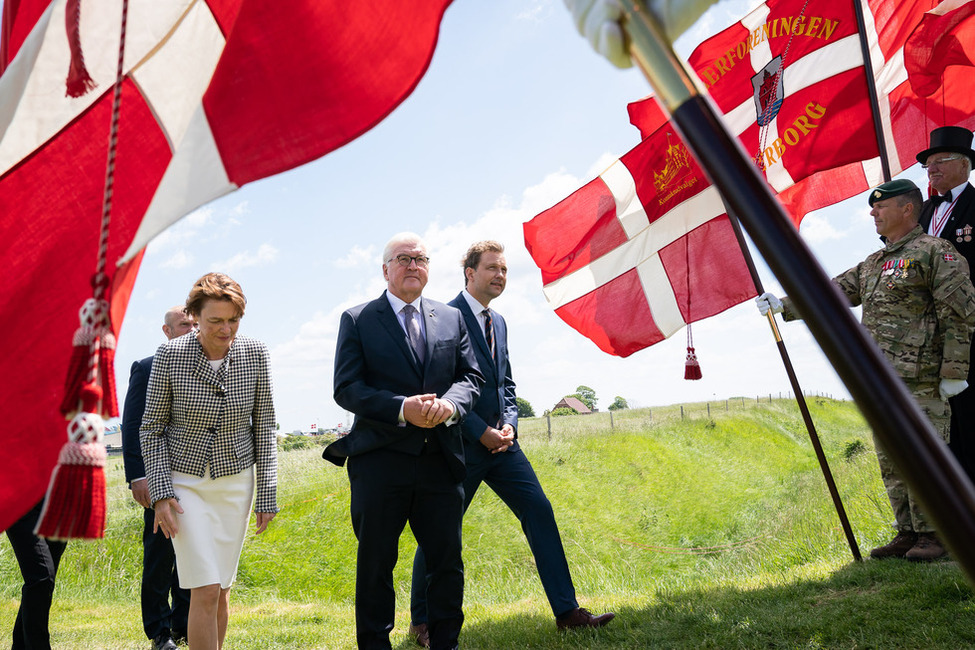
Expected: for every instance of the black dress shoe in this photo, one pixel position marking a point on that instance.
(582, 617)
(164, 642)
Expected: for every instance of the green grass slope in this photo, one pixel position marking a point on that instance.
(714, 530)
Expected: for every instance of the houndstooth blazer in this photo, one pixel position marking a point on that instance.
(196, 416)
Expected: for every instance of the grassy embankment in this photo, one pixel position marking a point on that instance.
(706, 532)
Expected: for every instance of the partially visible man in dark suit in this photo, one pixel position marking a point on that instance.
(405, 368)
(491, 447)
(162, 621)
(951, 215)
(38, 559)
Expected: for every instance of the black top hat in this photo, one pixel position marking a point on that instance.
(949, 138)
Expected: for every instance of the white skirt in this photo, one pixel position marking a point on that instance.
(212, 526)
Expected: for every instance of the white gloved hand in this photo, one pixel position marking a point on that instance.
(599, 22)
(951, 387)
(768, 301)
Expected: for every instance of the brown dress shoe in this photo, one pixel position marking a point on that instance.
(928, 548)
(420, 633)
(897, 547)
(582, 617)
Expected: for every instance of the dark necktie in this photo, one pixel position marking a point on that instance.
(413, 331)
(938, 199)
(489, 330)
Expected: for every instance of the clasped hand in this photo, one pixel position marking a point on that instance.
(427, 410)
(498, 440)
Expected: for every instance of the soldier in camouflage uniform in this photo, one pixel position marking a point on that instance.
(919, 306)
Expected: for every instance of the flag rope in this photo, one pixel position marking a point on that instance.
(764, 128)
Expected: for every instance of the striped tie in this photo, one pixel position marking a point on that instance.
(489, 330)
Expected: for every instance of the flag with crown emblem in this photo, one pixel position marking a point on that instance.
(641, 251)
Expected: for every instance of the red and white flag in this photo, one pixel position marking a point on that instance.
(790, 80)
(216, 94)
(944, 38)
(642, 250)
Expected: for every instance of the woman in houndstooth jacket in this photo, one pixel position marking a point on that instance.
(209, 420)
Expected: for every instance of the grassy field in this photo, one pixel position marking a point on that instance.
(711, 530)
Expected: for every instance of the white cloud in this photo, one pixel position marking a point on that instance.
(819, 229)
(536, 11)
(266, 255)
(181, 259)
(358, 256)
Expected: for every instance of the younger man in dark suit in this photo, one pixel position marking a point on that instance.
(492, 451)
(404, 366)
(950, 214)
(161, 621)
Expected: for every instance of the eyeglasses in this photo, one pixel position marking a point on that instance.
(422, 261)
(939, 162)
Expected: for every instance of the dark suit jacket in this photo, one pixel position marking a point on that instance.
(962, 215)
(496, 404)
(135, 406)
(376, 369)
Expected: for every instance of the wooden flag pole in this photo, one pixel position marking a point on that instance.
(922, 458)
(872, 91)
(800, 398)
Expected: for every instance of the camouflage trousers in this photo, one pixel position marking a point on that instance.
(907, 512)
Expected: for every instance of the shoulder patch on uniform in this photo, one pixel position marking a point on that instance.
(950, 257)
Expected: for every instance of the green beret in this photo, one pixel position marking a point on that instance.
(890, 189)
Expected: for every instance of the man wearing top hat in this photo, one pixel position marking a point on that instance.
(950, 214)
(919, 306)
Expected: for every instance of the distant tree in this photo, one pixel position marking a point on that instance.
(562, 410)
(618, 403)
(586, 395)
(525, 409)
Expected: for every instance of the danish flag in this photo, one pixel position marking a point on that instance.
(642, 250)
(820, 147)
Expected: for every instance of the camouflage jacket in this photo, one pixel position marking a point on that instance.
(918, 305)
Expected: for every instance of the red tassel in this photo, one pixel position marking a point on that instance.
(79, 81)
(692, 369)
(94, 331)
(75, 503)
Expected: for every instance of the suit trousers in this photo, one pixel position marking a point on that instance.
(962, 442)
(389, 490)
(159, 582)
(38, 559)
(512, 478)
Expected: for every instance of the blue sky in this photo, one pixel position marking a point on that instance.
(515, 113)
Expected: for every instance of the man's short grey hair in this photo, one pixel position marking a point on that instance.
(968, 165)
(913, 197)
(399, 239)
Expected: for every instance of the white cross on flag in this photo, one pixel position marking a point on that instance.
(642, 250)
(791, 82)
